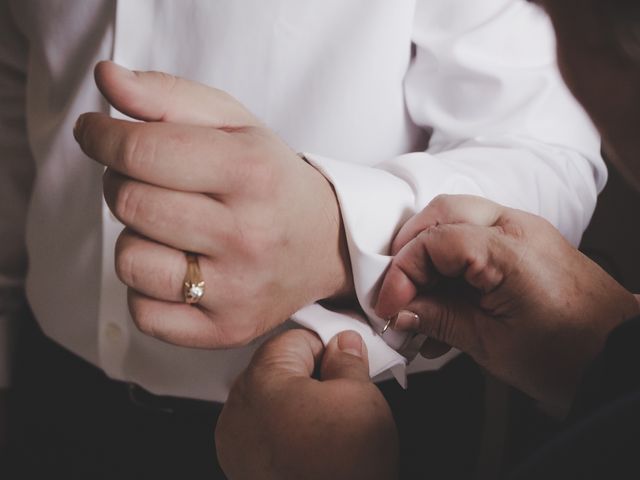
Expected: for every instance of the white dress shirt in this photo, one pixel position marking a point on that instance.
(394, 101)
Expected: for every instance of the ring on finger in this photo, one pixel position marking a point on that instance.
(193, 287)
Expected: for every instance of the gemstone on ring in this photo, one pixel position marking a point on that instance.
(193, 292)
(193, 286)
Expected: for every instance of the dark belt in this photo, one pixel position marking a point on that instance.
(169, 405)
(36, 349)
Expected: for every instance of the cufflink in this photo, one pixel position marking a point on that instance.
(412, 344)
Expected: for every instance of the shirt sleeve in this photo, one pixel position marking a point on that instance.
(16, 178)
(484, 83)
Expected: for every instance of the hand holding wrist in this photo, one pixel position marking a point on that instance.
(535, 311)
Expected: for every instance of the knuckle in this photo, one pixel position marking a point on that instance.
(169, 82)
(128, 202)
(476, 264)
(258, 170)
(517, 231)
(144, 323)
(125, 264)
(439, 203)
(284, 340)
(136, 150)
(240, 338)
(425, 236)
(519, 225)
(142, 318)
(254, 239)
(440, 233)
(439, 199)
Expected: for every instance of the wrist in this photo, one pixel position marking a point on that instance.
(333, 261)
(340, 287)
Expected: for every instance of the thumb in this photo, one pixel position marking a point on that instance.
(161, 97)
(291, 354)
(345, 357)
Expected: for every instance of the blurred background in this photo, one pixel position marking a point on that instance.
(613, 237)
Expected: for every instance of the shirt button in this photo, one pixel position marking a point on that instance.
(113, 332)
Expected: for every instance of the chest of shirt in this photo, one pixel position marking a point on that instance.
(324, 74)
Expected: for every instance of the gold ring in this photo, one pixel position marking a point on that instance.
(193, 288)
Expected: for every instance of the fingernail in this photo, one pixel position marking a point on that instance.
(122, 69)
(405, 321)
(351, 343)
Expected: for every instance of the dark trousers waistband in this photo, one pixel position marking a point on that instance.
(67, 419)
(39, 358)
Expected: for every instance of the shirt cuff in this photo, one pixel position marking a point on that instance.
(374, 204)
(328, 323)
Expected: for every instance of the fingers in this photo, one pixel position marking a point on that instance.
(447, 322)
(157, 271)
(174, 218)
(150, 268)
(296, 352)
(160, 97)
(445, 209)
(410, 269)
(176, 156)
(293, 353)
(193, 326)
(345, 358)
(178, 323)
(479, 254)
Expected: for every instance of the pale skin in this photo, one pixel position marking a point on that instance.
(531, 309)
(202, 174)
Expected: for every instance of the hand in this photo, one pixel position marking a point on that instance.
(201, 174)
(538, 312)
(280, 423)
